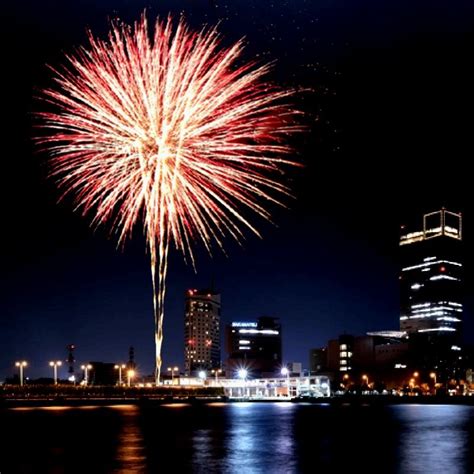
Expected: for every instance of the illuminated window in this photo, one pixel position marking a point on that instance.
(343, 354)
(343, 347)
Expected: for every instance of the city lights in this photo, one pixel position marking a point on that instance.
(55, 365)
(130, 376)
(86, 368)
(242, 374)
(216, 373)
(21, 365)
(173, 370)
(120, 367)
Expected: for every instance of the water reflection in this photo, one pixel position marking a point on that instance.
(238, 438)
(434, 438)
(260, 439)
(130, 456)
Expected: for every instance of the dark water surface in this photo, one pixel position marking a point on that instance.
(238, 438)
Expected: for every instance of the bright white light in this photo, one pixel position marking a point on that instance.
(438, 329)
(241, 324)
(242, 373)
(429, 264)
(258, 331)
(416, 286)
(284, 371)
(202, 374)
(443, 277)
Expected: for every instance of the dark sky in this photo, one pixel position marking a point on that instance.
(390, 136)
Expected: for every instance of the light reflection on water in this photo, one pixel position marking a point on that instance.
(130, 456)
(238, 438)
(434, 436)
(266, 449)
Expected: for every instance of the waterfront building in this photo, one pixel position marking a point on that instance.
(431, 288)
(202, 346)
(255, 346)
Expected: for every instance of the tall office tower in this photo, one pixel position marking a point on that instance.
(431, 285)
(202, 346)
(255, 346)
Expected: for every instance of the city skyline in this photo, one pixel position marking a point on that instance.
(331, 264)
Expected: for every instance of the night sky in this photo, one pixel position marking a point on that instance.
(390, 128)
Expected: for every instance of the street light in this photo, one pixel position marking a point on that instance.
(286, 373)
(119, 367)
(86, 369)
(433, 376)
(366, 378)
(412, 385)
(130, 375)
(172, 370)
(216, 372)
(202, 375)
(242, 374)
(21, 365)
(55, 366)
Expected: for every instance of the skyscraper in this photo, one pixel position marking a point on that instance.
(202, 347)
(431, 285)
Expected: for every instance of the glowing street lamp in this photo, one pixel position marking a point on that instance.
(202, 374)
(55, 366)
(21, 365)
(172, 370)
(433, 376)
(242, 374)
(119, 367)
(130, 375)
(366, 378)
(86, 369)
(286, 373)
(216, 372)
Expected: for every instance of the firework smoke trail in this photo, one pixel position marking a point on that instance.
(167, 129)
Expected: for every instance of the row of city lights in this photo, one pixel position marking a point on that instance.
(86, 367)
(412, 380)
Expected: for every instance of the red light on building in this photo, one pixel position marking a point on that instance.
(190, 341)
(442, 269)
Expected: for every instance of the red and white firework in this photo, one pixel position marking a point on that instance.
(171, 130)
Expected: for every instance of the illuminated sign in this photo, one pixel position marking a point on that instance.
(240, 324)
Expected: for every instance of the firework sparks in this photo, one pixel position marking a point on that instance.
(166, 129)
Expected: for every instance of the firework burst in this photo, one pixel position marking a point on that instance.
(169, 130)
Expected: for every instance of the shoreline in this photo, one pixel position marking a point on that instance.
(337, 401)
